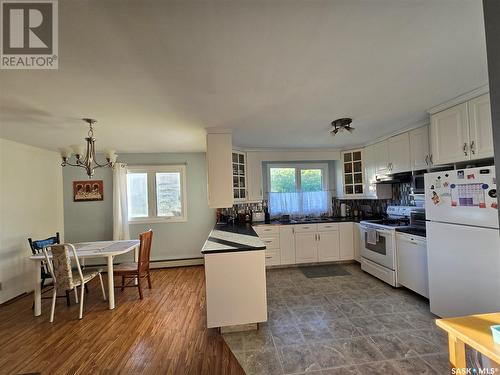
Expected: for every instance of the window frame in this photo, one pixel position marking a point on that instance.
(151, 171)
(298, 168)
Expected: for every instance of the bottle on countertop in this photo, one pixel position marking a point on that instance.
(343, 210)
(267, 216)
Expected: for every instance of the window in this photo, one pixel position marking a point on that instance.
(157, 193)
(300, 189)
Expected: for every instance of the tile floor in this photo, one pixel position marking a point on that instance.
(351, 324)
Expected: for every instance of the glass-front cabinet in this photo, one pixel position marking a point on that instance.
(352, 166)
(239, 176)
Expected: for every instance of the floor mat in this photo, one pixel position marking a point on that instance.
(324, 271)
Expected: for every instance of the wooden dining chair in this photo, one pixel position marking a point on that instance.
(137, 270)
(63, 275)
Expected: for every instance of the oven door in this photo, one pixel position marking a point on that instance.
(381, 252)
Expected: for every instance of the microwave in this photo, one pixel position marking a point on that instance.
(417, 184)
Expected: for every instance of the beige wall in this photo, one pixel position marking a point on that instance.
(31, 205)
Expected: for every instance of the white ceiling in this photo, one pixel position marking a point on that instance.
(156, 73)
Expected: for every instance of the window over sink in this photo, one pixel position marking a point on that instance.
(157, 194)
(298, 189)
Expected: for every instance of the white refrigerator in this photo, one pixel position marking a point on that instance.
(463, 241)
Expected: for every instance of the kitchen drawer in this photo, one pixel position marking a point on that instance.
(271, 242)
(325, 227)
(266, 230)
(273, 257)
(300, 228)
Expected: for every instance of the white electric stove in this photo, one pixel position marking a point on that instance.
(378, 243)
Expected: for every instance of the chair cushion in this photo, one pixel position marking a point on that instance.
(87, 275)
(40, 244)
(132, 266)
(91, 268)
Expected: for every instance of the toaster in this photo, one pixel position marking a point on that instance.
(258, 216)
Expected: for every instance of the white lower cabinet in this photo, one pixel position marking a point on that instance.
(308, 243)
(346, 241)
(306, 248)
(287, 244)
(328, 246)
(357, 242)
(273, 257)
(271, 238)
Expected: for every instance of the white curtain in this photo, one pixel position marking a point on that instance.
(120, 204)
(298, 203)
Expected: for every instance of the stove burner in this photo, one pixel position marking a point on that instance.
(391, 222)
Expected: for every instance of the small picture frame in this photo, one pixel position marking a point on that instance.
(88, 191)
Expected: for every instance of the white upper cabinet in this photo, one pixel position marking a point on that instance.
(480, 128)
(240, 190)
(254, 176)
(219, 169)
(370, 172)
(462, 132)
(419, 148)
(381, 151)
(450, 135)
(399, 153)
(353, 173)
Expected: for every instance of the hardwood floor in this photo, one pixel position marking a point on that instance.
(165, 333)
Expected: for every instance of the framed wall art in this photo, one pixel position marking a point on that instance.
(88, 190)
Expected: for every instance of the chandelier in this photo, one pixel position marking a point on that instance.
(87, 161)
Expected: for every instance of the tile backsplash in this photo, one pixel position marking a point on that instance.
(400, 197)
(400, 193)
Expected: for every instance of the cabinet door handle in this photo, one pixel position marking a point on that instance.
(465, 148)
(426, 159)
(319, 237)
(472, 145)
(293, 230)
(430, 160)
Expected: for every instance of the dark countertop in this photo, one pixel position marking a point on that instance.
(416, 231)
(227, 238)
(319, 221)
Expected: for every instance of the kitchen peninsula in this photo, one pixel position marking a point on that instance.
(235, 274)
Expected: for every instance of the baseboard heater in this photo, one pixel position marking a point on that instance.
(176, 262)
(165, 263)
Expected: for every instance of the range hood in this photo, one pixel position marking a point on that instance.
(395, 178)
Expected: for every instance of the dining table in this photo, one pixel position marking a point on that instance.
(88, 250)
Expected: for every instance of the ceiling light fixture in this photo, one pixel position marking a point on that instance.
(89, 160)
(341, 124)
